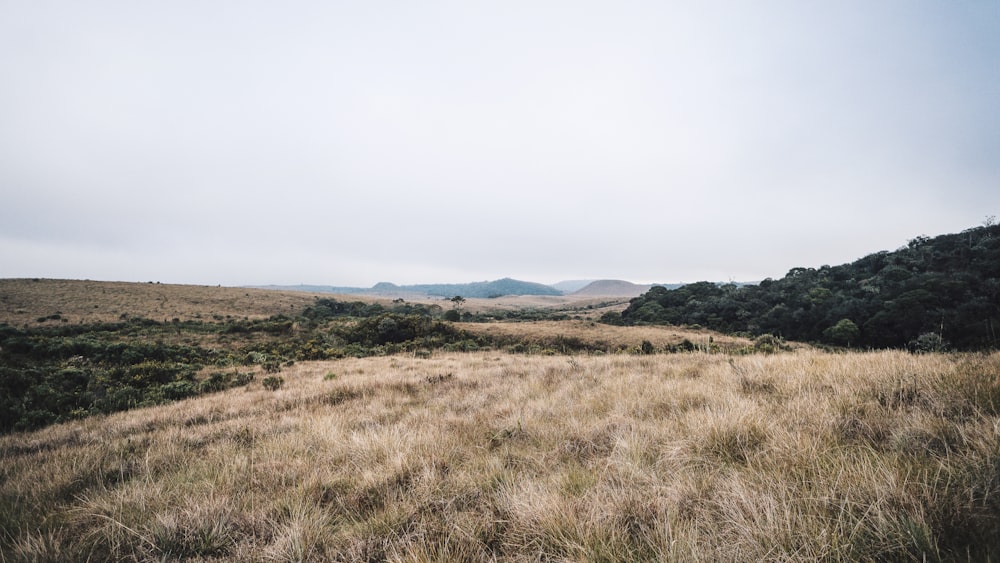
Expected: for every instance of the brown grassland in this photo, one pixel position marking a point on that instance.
(488, 456)
(24, 301)
(544, 333)
(701, 456)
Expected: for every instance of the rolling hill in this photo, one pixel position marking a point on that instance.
(612, 288)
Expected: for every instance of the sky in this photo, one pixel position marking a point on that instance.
(348, 143)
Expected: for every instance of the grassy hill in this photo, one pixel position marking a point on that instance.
(612, 288)
(47, 301)
(490, 456)
(290, 427)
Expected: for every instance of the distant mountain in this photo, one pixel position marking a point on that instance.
(612, 288)
(322, 289)
(569, 286)
(486, 289)
(505, 286)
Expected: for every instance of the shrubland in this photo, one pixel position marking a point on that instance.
(53, 372)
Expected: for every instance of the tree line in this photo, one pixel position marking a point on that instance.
(932, 294)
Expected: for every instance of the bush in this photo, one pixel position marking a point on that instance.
(273, 383)
(176, 390)
(217, 381)
(768, 344)
(243, 378)
(928, 342)
(612, 318)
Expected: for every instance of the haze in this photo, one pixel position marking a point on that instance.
(347, 143)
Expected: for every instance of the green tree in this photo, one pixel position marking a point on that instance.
(455, 314)
(843, 333)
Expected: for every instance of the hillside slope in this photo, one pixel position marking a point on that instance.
(929, 294)
(499, 457)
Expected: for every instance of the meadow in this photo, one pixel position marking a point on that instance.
(795, 456)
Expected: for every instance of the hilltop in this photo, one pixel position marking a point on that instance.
(612, 288)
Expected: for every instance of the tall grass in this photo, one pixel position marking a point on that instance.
(489, 456)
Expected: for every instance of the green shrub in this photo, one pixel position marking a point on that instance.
(273, 383)
(217, 381)
(177, 390)
(242, 378)
(769, 344)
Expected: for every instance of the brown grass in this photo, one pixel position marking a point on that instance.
(488, 456)
(549, 334)
(23, 301)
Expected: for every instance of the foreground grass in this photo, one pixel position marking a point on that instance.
(796, 456)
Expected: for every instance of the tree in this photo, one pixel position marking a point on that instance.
(458, 300)
(843, 333)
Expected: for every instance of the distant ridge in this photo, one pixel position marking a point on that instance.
(612, 288)
(497, 288)
(485, 289)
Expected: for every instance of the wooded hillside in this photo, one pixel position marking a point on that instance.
(933, 293)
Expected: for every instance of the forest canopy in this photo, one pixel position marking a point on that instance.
(931, 294)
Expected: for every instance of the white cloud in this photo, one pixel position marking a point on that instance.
(353, 143)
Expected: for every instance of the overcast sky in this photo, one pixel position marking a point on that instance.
(346, 143)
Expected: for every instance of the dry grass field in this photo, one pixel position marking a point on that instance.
(545, 333)
(25, 301)
(799, 456)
